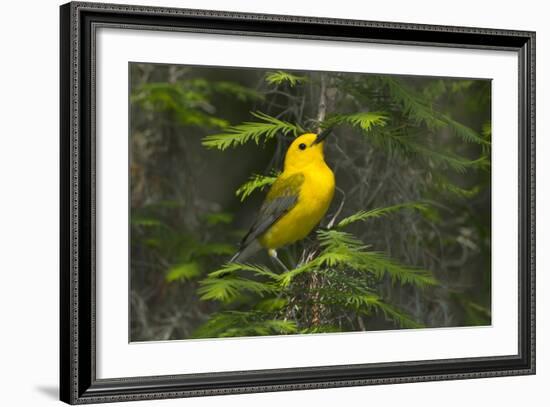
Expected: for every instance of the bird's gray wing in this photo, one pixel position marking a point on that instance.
(281, 198)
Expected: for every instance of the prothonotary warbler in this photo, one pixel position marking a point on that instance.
(297, 200)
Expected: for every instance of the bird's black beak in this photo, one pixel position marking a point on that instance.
(322, 136)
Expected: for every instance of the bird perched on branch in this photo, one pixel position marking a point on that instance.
(296, 202)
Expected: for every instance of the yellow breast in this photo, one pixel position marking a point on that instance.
(315, 196)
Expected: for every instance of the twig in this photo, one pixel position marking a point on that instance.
(322, 110)
(315, 283)
(361, 323)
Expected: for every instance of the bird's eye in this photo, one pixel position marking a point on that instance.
(302, 146)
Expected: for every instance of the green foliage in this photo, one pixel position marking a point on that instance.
(145, 221)
(411, 139)
(476, 314)
(189, 106)
(225, 286)
(265, 130)
(486, 130)
(190, 100)
(344, 250)
(233, 268)
(413, 105)
(379, 212)
(354, 295)
(349, 272)
(450, 160)
(255, 182)
(381, 265)
(218, 218)
(365, 121)
(271, 304)
(281, 77)
(235, 323)
(183, 272)
(188, 257)
(398, 316)
(420, 111)
(227, 289)
(394, 141)
(445, 186)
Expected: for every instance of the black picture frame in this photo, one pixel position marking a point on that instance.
(78, 382)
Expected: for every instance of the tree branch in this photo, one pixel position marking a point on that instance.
(322, 109)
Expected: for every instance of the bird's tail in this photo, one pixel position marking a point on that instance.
(245, 252)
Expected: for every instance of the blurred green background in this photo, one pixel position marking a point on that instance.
(417, 146)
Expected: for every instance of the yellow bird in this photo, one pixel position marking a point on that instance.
(297, 200)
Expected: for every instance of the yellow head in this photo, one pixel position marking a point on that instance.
(305, 150)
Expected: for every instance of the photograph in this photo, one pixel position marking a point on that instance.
(269, 202)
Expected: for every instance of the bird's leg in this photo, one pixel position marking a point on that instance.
(339, 210)
(273, 255)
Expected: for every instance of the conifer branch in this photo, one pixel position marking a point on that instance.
(379, 212)
(363, 120)
(281, 77)
(241, 134)
(421, 112)
(255, 182)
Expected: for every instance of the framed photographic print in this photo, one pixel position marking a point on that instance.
(255, 203)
